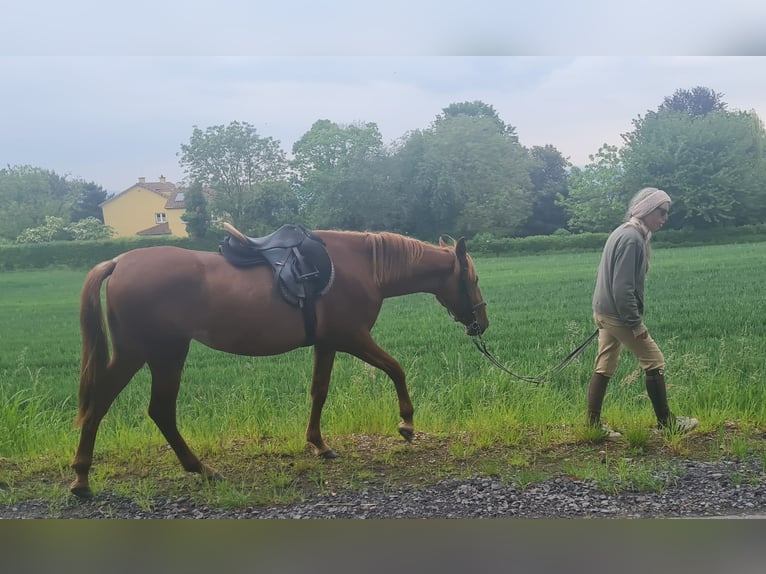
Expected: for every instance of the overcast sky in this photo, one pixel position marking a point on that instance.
(109, 94)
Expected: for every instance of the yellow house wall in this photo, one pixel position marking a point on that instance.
(177, 225)
(134, 210)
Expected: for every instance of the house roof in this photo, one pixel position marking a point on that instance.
(174, 197)
(161, 187)
(176, 200)
(159, 229)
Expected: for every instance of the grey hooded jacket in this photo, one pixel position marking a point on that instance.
(620, 279)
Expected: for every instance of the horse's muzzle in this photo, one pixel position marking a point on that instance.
(479, 321)
(473, 329)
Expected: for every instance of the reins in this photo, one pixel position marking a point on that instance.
(539, 380)
(480, 344)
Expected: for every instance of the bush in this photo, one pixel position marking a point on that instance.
(488, 245)
(56, 229)
(85, 254)
(561, 241)
(720, 235)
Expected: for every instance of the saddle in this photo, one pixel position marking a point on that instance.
(303, 271)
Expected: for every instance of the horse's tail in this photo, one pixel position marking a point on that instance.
(95, 347)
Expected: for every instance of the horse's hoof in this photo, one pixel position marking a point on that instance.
(407, 433)
(328, 454)
(82, 492)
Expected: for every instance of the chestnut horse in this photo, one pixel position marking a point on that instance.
(160, 298)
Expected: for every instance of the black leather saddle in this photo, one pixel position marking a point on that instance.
(302, 267)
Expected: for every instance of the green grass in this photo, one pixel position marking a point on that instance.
(704, 307)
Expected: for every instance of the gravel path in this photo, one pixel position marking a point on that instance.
(696, 489)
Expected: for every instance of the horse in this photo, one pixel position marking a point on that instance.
(159, 299)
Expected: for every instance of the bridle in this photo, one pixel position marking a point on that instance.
(473, 323)
(478, 341)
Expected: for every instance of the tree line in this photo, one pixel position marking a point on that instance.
(466, 174)
(38, 205)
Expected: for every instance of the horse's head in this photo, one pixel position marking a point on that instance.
(461, 294)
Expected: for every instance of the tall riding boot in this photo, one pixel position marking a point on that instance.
(596, 392)
(655, 387)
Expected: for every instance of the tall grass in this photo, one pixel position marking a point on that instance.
(704, 307)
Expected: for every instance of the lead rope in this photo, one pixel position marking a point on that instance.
(539, 380)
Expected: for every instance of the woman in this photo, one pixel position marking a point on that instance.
(618, 309)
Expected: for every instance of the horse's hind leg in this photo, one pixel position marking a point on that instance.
(166, 381)
(118, 374)
(320, 382)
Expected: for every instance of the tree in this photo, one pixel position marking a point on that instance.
(234, 161)
(597, 199)
(360, 196)
(275, 204)
(406, 208)
(477, 109)
(694, 103)
(466, 176)
(27, 195)
(328, 145)
(334, 174)
(88, 198)
(548, 172)
(197, 215)
(710, 160)
(713, 166)
(697, 102)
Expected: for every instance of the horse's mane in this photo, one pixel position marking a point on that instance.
(393, 255)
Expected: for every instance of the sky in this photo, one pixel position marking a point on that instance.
(110, 93)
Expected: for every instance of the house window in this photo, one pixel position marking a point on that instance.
(160, 218)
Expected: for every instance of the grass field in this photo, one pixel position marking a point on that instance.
(247, 415)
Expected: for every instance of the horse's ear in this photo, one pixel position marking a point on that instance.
(443, 243)
(460, 248)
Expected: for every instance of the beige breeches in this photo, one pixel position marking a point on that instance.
(612, 335)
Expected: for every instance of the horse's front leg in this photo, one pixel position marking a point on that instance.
(368, 350)
(320, 383)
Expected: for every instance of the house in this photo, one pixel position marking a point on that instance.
(146, 208)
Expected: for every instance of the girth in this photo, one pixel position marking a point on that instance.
(302, 267)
